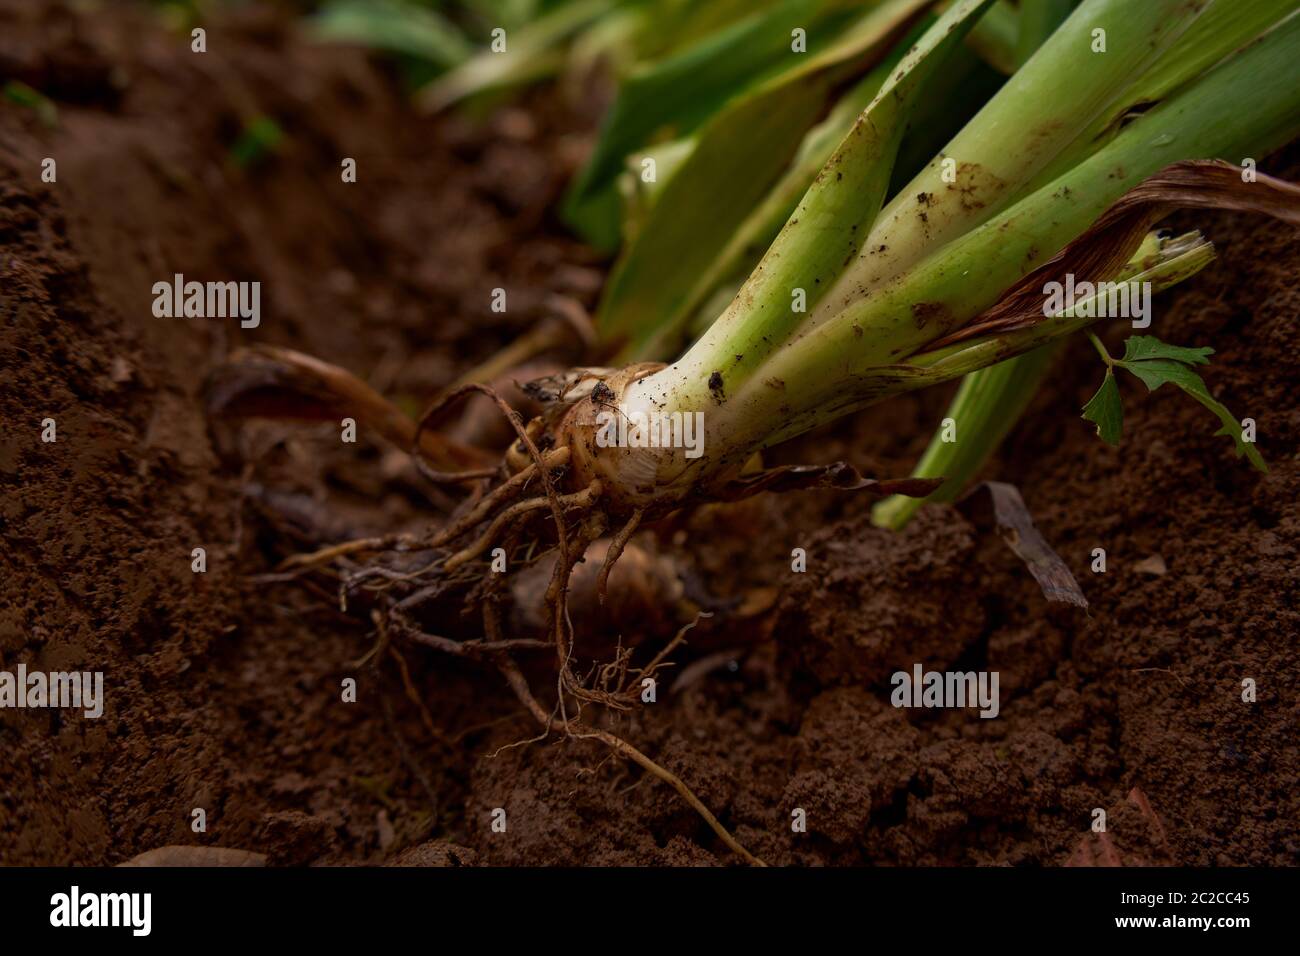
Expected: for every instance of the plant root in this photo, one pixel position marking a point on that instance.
(538, 477)
(579, 499)
(278, 383)
(343, 549)
(616, 551)
(506, 516)
(620, 746)
(269, 382)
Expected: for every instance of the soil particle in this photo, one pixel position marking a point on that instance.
(843, 624)
(715, 387)
(923, 312)
(435, 853)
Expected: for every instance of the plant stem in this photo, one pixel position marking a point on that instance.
(1038, 20)
(1036, 114)
(1216, 33)
(830, 221)
(995, 36)
(1101, 349)
(991, 400)
(847, 361)
(987, 404)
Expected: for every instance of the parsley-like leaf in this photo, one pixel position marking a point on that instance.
(1138, 348)
(1106, 411)
(1155, 372)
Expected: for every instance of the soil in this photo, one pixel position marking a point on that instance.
(223, 687)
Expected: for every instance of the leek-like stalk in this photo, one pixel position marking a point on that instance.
(1037, 113)
(987, 404)
(763, 373)
(740, 153)
(762, 226)
(995, 37)
(828, 227)
(1038, 20)
(990, 401)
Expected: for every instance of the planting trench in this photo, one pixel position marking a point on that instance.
(223, 688)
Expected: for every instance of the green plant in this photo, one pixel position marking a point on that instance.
(881, 278)
(854, 302)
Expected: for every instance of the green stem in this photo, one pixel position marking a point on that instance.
(995, 36)
(1038, 21)
(991, 400)
(758, 230)
(1226, 114)
(987, 404)
(1222, 29)
(861, 353)
(1101, 349)
(1032, 119)
(828, 225)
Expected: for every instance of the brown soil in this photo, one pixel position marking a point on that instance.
(223, 691)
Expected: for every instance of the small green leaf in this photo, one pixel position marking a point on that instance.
(1139, 348)
(1156, 372)
(261, 137)
(20, 93)
(1106, 411)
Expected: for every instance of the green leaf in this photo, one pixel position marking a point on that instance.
(394, 27)
(836, 212)
(680, 92)
(20, 93)
(532, 52)
(1138, 348)
(673, 25)
(1156, 372)
(503, 13)
(667, 271)
(1106, 411)
(261, 137)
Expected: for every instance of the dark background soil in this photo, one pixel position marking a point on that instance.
(223, 689)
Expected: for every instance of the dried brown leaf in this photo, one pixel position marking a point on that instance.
(269, 382)
(839, 476)
(1101, 251)
(998, 504)
(1102, 849)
